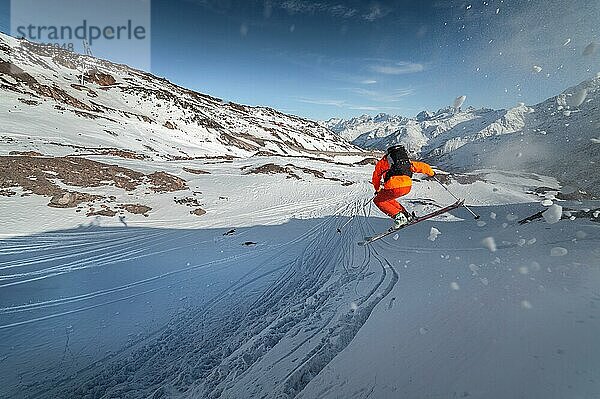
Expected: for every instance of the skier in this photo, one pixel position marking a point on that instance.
(396, 169)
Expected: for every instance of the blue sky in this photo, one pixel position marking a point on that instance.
(328, 58)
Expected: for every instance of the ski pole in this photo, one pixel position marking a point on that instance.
(339, 230)
(456, 198)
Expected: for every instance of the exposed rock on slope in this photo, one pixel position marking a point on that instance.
(127, 109)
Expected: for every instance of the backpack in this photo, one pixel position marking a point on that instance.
(399, 163)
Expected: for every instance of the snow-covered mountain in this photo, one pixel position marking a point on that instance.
(122, 108)
(380, 125)
(558, 137)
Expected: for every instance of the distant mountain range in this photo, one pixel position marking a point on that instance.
(559, 137)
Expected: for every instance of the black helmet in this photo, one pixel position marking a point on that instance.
(397, 152)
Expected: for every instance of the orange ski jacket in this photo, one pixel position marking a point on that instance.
(398, 181)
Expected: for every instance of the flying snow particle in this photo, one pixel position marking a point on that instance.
(537, 69)
(459, 101)
(497, 11)
(433, 234)
(566, 43)
(481, 223)
(595, 140)
(547, 202)
(396, 236)
(484, 281)
(552, 214)
(244, 29)
(526, 304)
(535, 266)
(292, 28)
(454, 285)
(489, 243)
(469, 7)
(524, 270)
(532, 241)
(590, 49)
(577, 98)
(474, 268)
(354, 306)
(521, 242)
(423, 331)
(558, 251)
(581, 234)
(492, 216)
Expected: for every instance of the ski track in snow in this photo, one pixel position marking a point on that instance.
(191, 313)
(303, 302)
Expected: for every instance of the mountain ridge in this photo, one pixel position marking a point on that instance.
(563, 128)
(128, 109)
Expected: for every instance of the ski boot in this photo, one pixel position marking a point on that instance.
(400, 220)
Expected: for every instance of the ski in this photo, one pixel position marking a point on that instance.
(391, 230)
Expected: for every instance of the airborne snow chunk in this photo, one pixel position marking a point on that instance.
(526, 305)
(537, 69)
(454, 285)
(433, 234)
(553, 214)
(489, 243)
(459, 101)
(578, 98)
(474, 268)
(524, 270)
(558, 251)
(589, 49)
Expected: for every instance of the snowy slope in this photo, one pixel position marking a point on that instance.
(45, 109)
(261, 307)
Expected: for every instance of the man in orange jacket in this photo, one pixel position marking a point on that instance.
(396, 169)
